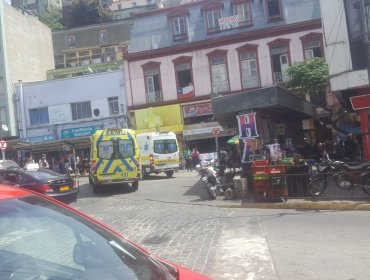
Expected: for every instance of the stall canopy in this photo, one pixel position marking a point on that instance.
(275, 99)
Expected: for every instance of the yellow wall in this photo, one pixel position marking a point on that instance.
(164, 118)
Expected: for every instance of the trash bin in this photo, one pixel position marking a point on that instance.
(247, 174)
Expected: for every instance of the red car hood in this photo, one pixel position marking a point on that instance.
(191, 275)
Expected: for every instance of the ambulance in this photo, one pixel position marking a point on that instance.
(159, 152)
(114, 159)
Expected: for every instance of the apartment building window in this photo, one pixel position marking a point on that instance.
(219, 72)
(81, 110)
(280, 59)
(179, 28)
(103, 37)
(212, 21)
(39, 116)
(249, 69)
(312, 45)
(72, 41)
(242, 8)
(178, 22)
(274, 10)
(152, 82)
(113, 105)
(184, 77)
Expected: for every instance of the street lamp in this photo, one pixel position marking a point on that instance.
(3, 127)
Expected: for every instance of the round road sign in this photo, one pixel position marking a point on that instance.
(216, 131)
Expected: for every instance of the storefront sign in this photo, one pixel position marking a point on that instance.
(197, 110)
(39, 139)
(79, 131)
(229, 22)
(247, 126)
(360, 102)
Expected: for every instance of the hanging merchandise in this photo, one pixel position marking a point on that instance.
(275, 151)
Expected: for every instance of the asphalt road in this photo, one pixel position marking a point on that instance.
(173, 218)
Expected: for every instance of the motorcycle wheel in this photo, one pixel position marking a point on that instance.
(229, 193)
(317, 186)
(211, 193)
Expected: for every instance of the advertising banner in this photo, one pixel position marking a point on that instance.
(162, 118)
(196, 110)
(247, 126)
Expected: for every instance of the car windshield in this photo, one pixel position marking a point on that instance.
(168, 146)
(41, 240)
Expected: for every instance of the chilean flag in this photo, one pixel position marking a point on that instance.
(185, 92)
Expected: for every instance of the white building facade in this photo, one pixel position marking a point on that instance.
(56, 113)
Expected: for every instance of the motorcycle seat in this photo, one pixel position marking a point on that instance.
(357, 167)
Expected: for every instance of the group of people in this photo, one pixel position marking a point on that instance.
(342, 149)
(192, 158)
(229, 158)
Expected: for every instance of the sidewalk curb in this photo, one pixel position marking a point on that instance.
(306, 205)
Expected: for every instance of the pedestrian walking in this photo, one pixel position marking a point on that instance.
(195, 157)
(43, 163)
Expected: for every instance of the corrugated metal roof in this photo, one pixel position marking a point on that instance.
(154, 31)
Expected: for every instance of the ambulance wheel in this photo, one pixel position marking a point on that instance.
(134, 186)
(169, 173)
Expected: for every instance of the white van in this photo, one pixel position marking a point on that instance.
(159, 152)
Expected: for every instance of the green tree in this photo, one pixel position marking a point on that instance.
(310, 76)
(85, 12)
(53, 18)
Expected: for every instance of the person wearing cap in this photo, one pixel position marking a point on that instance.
(43, 163)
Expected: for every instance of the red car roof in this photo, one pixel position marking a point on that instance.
(7, 192)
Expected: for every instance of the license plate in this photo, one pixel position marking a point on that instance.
(64, 188)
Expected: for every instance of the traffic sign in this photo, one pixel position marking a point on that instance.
(3, 145)
(216, 132)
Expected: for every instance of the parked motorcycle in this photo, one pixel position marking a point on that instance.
(210, 177)
(215, 180)
(346, 176)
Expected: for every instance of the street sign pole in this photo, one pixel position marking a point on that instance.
(216, 132)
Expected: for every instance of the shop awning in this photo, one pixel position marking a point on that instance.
(275, 99)
(49, 146)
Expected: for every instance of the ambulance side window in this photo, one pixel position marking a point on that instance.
(105, 149)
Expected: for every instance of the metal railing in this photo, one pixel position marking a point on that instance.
(315, 182)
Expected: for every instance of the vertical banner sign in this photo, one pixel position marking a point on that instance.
(247, 126)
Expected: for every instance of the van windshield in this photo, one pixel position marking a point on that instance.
(116, 149)
(167, 146)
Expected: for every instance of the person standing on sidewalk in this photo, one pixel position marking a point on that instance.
(195, 157)
(187, 156)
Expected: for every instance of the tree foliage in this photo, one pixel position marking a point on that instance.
(85, 12)
(310, 76)
(53, 18)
